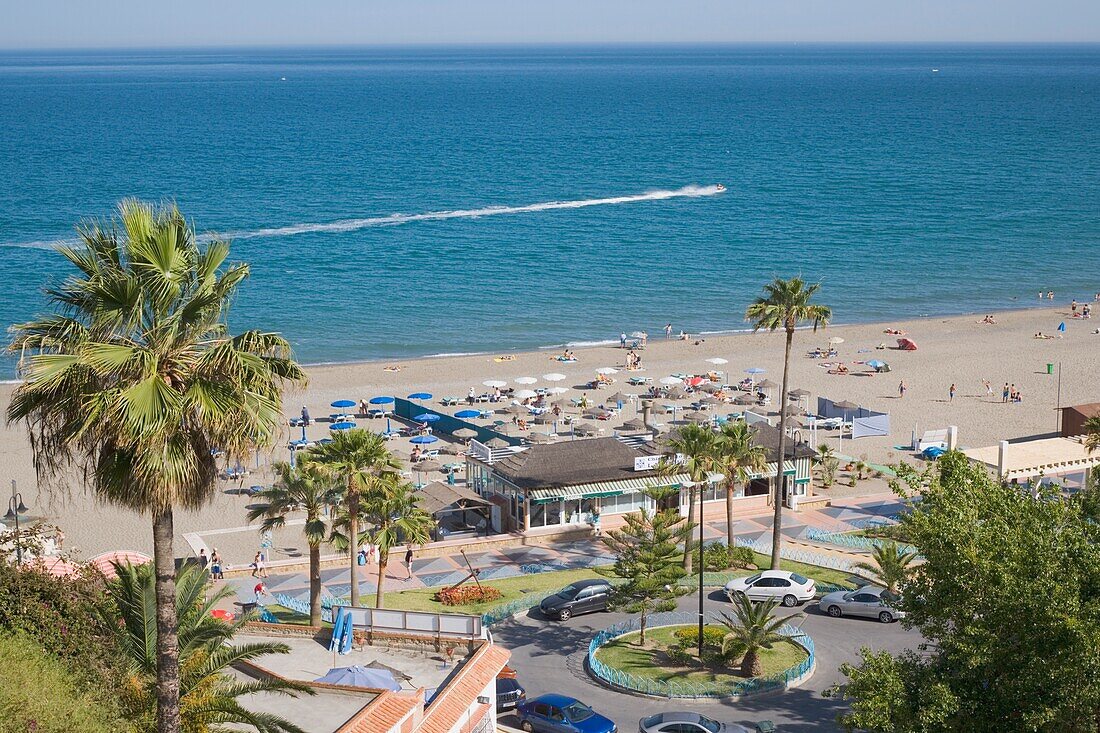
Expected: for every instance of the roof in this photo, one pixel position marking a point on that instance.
(611, 488)
(571, 462)
(383, 713)
(460, 691)
(1032, 458)
(767, 436)
(588, 582)
(1091, 409)
(553, 698)
(438, 496)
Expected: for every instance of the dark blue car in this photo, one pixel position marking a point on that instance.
(561, 714)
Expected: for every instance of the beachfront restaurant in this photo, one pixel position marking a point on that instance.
(564, 485)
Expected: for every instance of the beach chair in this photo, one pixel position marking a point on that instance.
(449, 401)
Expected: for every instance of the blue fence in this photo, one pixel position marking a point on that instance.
(807, 557)
(853, 541)
(447, 422)
(685, 688)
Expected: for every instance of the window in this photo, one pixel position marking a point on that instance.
(752, 579)
(556, 715)
(578, 711)
(800, 579)
(585, 593)
(865, 598)
(542, 710)
(780, 583)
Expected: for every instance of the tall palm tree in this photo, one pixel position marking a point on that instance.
(208, 691)
(355, 457)
(388, 506)
(889, 566)
(1092, 433)
(135, 379)
(752, 628)
(309, 488)
(698, 445)
(785, 304)
(740, 457)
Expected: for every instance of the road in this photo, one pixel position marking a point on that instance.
(549, 656)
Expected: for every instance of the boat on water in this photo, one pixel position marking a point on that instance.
(720, 187)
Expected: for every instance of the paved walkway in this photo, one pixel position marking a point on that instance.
(515, 561)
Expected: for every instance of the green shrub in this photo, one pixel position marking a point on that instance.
(714, 658)
(712, 636)
(741, 557)
(40, 693)
(678, 655)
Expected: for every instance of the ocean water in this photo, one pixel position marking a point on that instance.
(396, 203)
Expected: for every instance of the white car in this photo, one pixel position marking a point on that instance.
(788, 588)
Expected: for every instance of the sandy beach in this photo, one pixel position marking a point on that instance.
(957, 350)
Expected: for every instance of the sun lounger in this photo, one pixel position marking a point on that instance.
(449, 401)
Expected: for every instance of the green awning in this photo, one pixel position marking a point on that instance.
(601, 489)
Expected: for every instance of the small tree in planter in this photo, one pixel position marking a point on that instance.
(647, 554)
(752, 628)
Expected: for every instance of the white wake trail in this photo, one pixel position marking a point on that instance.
(349, 225)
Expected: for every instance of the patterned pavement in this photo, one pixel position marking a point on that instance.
(515, 561)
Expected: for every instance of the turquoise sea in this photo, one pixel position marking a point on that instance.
(393, 202)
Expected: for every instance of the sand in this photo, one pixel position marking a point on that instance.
(958, 350)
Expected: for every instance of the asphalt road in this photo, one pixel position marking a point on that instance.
(549, 656)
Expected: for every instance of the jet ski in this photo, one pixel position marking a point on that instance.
(720, 187)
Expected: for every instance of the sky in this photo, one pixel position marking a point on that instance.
(160, 23)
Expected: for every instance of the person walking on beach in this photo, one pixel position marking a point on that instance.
(216, 565)
(259, 567)
(668, 331)
(204, 561)
(988, 388)
(305, 416)
(901, 389)
(1004, 393)
(622, 339)
(951, 393)
(408, 562)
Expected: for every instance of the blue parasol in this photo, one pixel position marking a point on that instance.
(381, 400)
(420, 396)
(424, 439)
(875, 363)
(427, 417)
(466, 414)
(343, 403)
(341, 426)
(755, 370)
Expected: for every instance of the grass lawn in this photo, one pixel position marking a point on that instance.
(649, 662)
(823, 575)
(886, 532)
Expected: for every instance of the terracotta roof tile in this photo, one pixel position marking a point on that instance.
(383, 713)
(460, 692)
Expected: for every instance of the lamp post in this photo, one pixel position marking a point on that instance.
(15, 508)
(701, 564)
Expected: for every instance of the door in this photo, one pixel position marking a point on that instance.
(761, 589)
(600, 597)
(864, 604)
(556, 721)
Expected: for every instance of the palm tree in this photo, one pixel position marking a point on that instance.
(1092, 433)
(752, 628)
(355, 457)
(889, 566)
(136, 380)
(785, 304)
(698, 445)
(827, 460)
(208, 691)
(309, 488)
(740, 459)
(388, 505)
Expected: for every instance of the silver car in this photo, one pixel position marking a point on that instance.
(686, 723)
(869, 601)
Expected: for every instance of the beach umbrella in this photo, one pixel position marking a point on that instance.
(710, 387)
(634, 424)
(497, 443)
(717, 361)
(875, 363)
(525, 380)
(465, 433)
(553, 377)
(755, 370)
(557, 390)
(358, 676)
(845, 405)
(343, 403)
(745, 399)
(767, 384)
(792, 410)
(545, 418)
(495, 383)
(670, 380)
(525, 394)
(561, 403)
(659, 409)
(696, 416)
(585, 428)
(381, 400)
(607, 370)
(420, 396)
(798, 393)
(467, 414)
(836, 340)
(538, 438)
(694, 381)
(618, 397)
(424, 439)
(341, 425)
(427, 417)
(516, 410)
(677, 393)
(710, 401)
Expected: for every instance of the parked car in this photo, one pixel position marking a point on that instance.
(584, 596)
(869, 601)
(687, 723)
(561, 714)
(510, 693)
(789, 588)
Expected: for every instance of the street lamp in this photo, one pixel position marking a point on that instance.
(701, 564)
(15, 508)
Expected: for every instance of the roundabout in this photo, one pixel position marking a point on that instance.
(552, 657)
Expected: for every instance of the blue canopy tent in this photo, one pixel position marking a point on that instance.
(359, 676)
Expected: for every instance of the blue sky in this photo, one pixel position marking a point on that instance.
(153, 23)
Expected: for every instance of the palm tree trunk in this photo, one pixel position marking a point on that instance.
(777, 525)
(641, 629)
(314, 585)
(353, 541)
(383, 561)
(168, 670)
(750, 664)
(691, 523)
(729, 513)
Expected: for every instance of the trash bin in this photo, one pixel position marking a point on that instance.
(765, 726)
(1050, 369)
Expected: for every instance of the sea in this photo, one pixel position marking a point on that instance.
(396, 203)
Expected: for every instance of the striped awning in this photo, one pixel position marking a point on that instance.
(789, 469)
(601, 489)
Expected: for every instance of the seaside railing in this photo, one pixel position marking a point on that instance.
(807, 557)
(681, 688)
(853, 541)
